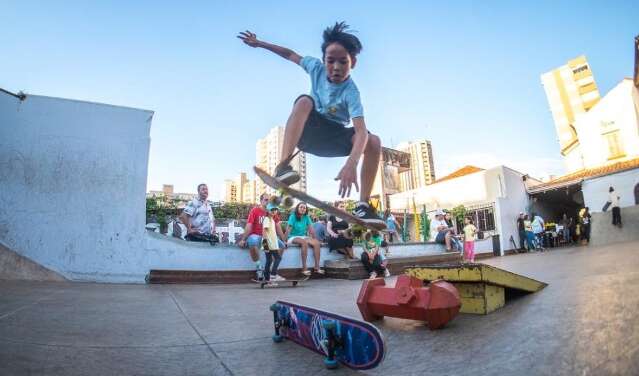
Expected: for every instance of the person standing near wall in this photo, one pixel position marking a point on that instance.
(613, 199)
(252, 236)
(566, 223)
(522, 231)
(585, 224)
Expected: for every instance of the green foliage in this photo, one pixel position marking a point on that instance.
(232, 210)
(160, 207)
(459, 212)
(425, 228)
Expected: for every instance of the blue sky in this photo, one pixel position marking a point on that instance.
(463, 75)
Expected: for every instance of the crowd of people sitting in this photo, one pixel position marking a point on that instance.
(264, 231)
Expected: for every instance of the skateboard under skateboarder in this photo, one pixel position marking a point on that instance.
(319, 122)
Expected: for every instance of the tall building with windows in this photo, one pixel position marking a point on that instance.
(592, 131)
(267, 153)
(571, 91)
(240, 189)
(422, 167)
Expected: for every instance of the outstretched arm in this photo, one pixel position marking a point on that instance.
(251, 39)
(348, 174)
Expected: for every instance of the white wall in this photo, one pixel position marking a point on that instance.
(510, 205)
(619, 109)
(73, 175)
(596, 190)
(499, 185)
(467, 190)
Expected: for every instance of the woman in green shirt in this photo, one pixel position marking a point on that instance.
(300, 232)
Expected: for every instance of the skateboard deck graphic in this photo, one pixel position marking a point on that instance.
(353, 343)
(302, 196)
(290, 282)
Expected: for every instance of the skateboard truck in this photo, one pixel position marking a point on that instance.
(277, 324)
(333, 342)
(437, 303)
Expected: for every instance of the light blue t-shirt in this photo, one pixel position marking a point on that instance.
(299, 228)
(338, 102)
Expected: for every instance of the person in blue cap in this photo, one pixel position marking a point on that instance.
(271, 246)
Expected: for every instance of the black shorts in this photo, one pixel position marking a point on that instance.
(324, 137)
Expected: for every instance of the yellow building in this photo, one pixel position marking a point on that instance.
(571, 91)
(267, 155)
(240, 189)
(422, 167)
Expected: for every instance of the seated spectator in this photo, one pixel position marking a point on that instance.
(376, 236)
(300, 232)
(371, 257)
(198, 218)
(440, 231)
(319, 226)
(449, 221)
(252, 235)
(337, 234)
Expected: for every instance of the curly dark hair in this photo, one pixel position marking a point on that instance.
(338, 34)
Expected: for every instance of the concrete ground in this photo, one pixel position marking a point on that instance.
(586, 322)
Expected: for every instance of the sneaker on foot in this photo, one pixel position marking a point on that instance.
(259, 274)
(306, 272)
(277, 278)
(373, 275)
(285, 173)
(367, 214)
(386, 273)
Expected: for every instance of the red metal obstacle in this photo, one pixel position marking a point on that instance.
(437, 303)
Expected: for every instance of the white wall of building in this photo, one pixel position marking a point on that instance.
(596, 190)
(468, 190)
(73, 183)
(514, 201)
(617, 110)
(499, 186)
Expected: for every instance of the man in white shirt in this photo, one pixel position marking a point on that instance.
(198, 217)
(439, 230)
(614, 198)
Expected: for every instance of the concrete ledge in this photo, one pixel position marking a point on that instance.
(354, 269)
(602, 232)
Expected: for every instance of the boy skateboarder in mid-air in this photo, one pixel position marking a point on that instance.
(319, 122)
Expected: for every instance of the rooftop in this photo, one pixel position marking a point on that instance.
(587, 173)
(466, 170)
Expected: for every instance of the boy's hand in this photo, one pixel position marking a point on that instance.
(347, 177)
(249, 38)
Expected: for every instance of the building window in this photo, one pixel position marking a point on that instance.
(615, 147)
(580, 69)
(483, 218)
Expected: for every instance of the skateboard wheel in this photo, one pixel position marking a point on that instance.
(277, 339)
(330, 364)
(287, 201)
(273, 307)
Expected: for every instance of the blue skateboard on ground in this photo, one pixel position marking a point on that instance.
(354, 343)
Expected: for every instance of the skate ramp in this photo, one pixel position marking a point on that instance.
(14, 266)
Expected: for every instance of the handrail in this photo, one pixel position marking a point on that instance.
(20, 95)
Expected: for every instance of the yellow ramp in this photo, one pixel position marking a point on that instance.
(482, 288)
